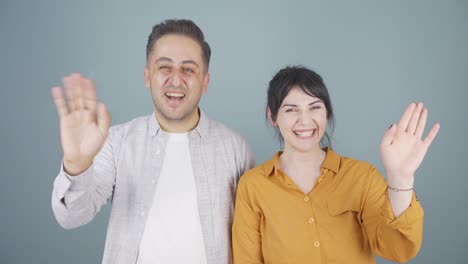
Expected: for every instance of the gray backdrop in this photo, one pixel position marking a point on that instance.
(375, 57)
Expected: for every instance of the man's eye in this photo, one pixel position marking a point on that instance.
(289, 110)
(315, 107)
(189, 70)
(163, 67)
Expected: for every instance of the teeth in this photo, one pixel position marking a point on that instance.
(305, 133)
(175, 94)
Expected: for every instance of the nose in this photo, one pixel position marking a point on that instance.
(304, 118)
(176, 80)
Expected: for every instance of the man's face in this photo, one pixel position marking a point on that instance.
(177, 77)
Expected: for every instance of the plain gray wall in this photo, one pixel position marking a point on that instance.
(375, 57)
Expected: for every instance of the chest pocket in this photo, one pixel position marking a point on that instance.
(343, 221)
(342, 204)
(344, 214)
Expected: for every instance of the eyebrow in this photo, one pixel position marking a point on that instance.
(190, 62)
(293, 105)
(183, 62)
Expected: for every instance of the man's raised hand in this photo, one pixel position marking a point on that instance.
(84, 122)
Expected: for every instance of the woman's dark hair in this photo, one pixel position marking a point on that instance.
(310, 83)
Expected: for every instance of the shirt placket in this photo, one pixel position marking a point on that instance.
(157, 150)
(312, 220)
(203, 196)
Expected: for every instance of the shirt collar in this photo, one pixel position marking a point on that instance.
(272, 166)
(332, 162)
(201, 130)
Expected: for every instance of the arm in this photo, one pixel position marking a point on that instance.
(395, 238)
(84, 125)
(247, 160)
(392, 217)
(402, 152)
(77, 199)
(246, 237)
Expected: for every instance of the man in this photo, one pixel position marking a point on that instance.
(171, 175)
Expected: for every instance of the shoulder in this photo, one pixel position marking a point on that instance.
(222, 136)
(256, 183)
(356, 170)
(339, 163)
(220, 130)
(348, 163)
(137, 125)
(257, 175)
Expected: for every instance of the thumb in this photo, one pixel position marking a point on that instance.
(103, 118)
(388, 136)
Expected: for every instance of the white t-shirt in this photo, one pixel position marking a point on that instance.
(173, 231)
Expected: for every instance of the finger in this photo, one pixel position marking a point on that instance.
(413, 122)
(89, 94)
(103, 118)
(389, 136)
(421, 123)
(59, 100)
(405, 117)
(73, 91)
(431, 135)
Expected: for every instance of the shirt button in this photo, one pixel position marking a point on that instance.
(325, 170)
(306, 199)
(153, 181)
(143, 213)
(158, 151)
(316, 244)
(311, 220)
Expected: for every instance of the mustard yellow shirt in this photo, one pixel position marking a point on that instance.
(346, 218)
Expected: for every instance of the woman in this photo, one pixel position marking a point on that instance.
(308, 204)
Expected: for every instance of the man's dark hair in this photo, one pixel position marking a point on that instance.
(309, 82)
(182, 27)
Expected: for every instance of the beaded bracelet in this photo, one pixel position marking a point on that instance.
(400, 190)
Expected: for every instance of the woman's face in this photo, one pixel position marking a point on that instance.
(302, 120)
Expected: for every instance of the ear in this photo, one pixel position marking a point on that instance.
(147, 77)
(270, 118)
(206, 80)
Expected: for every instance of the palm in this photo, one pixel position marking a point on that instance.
(405, 154)
(84, 123)
(80, 135)
(402, 148)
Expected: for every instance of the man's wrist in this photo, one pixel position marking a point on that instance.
(75, 168)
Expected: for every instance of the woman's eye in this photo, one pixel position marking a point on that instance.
(315, 107)
(289, 110)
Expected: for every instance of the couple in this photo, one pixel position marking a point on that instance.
(173, 176)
